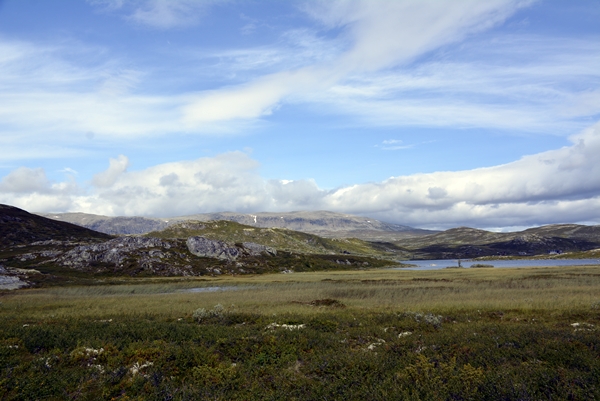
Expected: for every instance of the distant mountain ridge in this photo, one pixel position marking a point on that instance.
(466, 242)
(322, 223)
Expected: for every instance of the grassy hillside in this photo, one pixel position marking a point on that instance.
(278, 238)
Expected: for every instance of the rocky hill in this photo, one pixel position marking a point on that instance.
(278, 238)
(322, 223)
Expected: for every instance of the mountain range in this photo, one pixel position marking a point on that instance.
(322, 223)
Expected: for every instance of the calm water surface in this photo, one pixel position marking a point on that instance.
(213, 289)
(441, 264)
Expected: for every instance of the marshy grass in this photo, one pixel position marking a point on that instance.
(459, 334)
(551, 288)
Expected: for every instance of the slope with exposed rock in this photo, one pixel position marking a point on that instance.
(278, 238)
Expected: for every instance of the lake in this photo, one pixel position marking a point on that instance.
(441, 264)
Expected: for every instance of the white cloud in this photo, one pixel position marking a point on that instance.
(25, 180)
(561, 185)
(52, 100)
(388, 32)
(68, 170)
(394, 144)
(487, 83)
(383, 34)
(108, 177)
(45, 96)
(168, 13)
(249, 101)
(32, 188)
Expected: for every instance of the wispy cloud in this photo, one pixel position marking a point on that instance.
(375, 43)
(68, 170)
(162, 14)
(394, 144)
(369, 61)
(489, 85)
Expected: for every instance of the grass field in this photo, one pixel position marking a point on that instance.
(522, 334)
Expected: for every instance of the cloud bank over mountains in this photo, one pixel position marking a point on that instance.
(561, 185)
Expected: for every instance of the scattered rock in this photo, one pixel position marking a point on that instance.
(290, 327)
(11, 283)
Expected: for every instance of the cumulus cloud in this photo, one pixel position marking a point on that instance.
(227, 181)
(517, 193)
(561, 185)
(32, 189)
(108, 177)
(25, 180)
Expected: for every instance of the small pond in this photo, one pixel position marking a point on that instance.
(212, 289)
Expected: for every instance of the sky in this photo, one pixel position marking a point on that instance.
(428, 113)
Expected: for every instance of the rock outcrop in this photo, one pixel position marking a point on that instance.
(258, 249)
(10, 280)
(204, 247)
(115, 252)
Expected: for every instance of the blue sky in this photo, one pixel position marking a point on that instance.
(434, 113)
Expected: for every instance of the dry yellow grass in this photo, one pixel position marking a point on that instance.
(548, 288)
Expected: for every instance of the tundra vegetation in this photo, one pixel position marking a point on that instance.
(458, 334)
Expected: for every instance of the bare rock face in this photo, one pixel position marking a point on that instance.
(113, 252)
(204, 247)
(258, 249)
